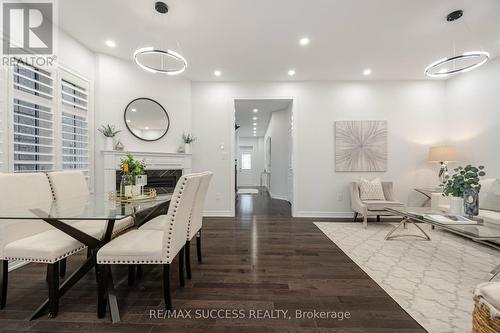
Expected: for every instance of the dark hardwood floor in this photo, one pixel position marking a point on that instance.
(261, 260)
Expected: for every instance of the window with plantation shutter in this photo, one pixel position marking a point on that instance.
(74, 123)
(33, 119)
(45, 120)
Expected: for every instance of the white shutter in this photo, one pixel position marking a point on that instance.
(33, 119)
(74, 123)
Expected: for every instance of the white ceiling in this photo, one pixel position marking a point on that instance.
(258, 39)
(244, 114)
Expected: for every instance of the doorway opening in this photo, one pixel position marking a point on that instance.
(263, 151)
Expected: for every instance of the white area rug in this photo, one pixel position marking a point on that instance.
(432, 280)
(247, 191)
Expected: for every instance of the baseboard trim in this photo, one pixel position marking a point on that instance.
(218, 213)
(323, 214)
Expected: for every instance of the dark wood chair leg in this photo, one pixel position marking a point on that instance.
(378, 218)
(181, 266)
(166, 287)
(62, 268)
(5, 280)
(355, 216)
(53, 272)
(140, 271)
(102, 289)
(89, 252)
(198, 246)
(131, 275)
(187, 255)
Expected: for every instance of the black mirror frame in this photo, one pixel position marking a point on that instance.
(152, 100)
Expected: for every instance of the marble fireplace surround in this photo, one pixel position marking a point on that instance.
(153, 160)
(432, 280)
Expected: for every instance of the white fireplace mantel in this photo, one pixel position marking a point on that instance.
(153, 160)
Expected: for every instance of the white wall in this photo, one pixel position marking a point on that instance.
(473, 116)
(118, 82)
(257, 144)
(416, 120)
(279, 132)
(75, 56)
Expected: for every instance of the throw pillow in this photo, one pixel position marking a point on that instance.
(492, 200)
(371, 190)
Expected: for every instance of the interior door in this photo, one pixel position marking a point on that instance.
(246, 167)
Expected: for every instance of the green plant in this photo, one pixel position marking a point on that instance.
(135, 167)
(188, 138)
(464, 178)
(108, 131)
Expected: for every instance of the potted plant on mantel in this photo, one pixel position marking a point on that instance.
(109, 133)
(188, 139)
(463, 187)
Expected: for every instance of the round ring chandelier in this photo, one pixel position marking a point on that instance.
(162, 53)
(439, 68)
(457, 63)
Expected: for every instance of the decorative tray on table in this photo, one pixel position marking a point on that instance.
(147, 195)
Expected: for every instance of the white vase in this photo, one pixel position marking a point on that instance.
(109, 144)
(187, 148)
(457, 205)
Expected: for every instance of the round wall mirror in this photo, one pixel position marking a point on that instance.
(146, 119)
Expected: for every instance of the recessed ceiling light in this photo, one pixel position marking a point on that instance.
(255, 124)
(133, 110)
(255, 128)
(128, 120)
(291, 72)
(217, 73)
(110, 43)
(304, 41)
(255, 110)
(146, 128)
(367, 71)
(254, 118)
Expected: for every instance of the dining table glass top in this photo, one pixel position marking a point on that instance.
(95, 206)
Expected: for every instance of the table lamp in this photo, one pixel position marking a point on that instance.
(443, 155)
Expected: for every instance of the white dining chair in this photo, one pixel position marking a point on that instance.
(32, 240)
(71, 184)
(150, 247)
(195, 220)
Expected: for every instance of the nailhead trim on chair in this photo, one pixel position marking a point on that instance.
(131, 262)
(67, 254)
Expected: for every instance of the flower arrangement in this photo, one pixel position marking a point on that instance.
(188, 138)
(108, 131)
(463, 179)
(132, 166)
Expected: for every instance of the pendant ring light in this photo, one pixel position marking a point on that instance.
(162, 9)
(168, 53)
(459, 63)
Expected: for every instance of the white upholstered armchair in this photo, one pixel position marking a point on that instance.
(372, 208)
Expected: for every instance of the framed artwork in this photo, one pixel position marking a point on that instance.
(361, 146)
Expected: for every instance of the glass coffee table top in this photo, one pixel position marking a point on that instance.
(485, 230)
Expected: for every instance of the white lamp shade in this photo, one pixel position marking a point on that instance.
(442, 154)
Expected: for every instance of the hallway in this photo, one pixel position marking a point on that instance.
(261, 204)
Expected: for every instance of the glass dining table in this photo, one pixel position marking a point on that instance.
(92, 207)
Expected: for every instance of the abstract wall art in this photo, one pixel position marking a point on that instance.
(361, 146)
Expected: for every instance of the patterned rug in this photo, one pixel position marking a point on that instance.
(432, 280)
